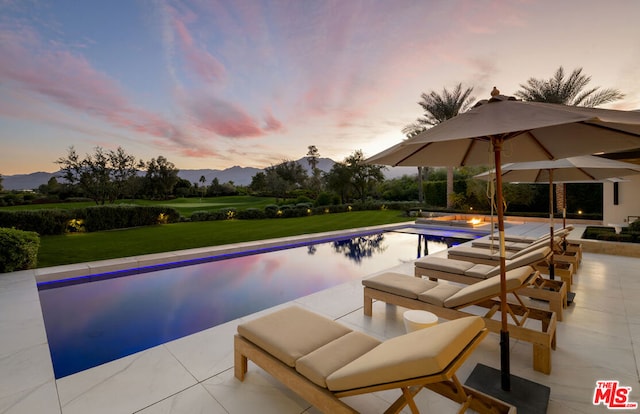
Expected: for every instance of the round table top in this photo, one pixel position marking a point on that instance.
(420, 316)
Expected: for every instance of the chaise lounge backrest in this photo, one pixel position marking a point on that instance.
(490, 287)
(416, 354)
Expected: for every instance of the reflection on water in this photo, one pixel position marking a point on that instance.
(361, 247)
(91, 323)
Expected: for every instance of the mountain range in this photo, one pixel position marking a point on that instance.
(238, 175)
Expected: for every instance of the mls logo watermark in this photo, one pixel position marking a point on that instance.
(613, 395)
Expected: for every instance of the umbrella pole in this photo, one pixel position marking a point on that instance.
(504, 331)
(564, 206)
(552, 270)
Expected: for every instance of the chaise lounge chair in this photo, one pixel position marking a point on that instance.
(565, 252)
(447, 300)
(461, 271)
(516, 243)
(491, 257)
(322, 360)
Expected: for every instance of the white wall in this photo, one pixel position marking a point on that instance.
(628, 201)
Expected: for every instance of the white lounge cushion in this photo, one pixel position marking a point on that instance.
(322, 362)
(420, 353)
(443, 264)
(292, 333)
(399, 284)
(489, 287)
(439, 294)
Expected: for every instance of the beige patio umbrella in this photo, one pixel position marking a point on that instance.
(524, 131)
(586, 168)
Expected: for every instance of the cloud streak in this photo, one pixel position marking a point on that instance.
(206, 108)
(72, 81)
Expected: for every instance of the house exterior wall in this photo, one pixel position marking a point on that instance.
(628, 201)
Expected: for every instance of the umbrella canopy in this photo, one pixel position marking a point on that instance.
(525, 131)
(587, 168)
(531, 131)
(574, 169)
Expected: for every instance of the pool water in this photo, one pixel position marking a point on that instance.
(89, 324)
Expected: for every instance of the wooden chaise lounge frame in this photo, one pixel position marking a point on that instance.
(543, 341)
(552, 291)
(444, 383)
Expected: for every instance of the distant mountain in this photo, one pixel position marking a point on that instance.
(239, 175)
(26, 181)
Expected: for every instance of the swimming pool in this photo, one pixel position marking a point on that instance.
(120, 313)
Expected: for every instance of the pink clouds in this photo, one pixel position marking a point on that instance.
(207, 67)
(223, 118)
(204, 107)
(271, 123)
(70, 80)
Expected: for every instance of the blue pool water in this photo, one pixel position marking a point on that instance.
(89, 324)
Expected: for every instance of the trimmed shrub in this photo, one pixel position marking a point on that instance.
(18, 250)
(200, 216)
(43, 222)
(271, 210)
(251, 214)
(123, 216)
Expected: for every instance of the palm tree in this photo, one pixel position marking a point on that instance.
(202, 181)
(438, 108)
(566, 91)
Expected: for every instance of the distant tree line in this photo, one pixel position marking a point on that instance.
(106, 176)
(347, 181)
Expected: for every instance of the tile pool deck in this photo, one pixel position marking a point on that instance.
(599, 339)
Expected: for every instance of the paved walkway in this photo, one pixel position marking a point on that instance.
(599, 339)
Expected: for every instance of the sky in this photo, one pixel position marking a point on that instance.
(215, 84)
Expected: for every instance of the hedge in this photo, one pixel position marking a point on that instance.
(123, 216)
(57, 221)
(43, 222)
(18, 250)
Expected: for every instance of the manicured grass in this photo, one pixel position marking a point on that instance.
(185, 206)
(86, 247)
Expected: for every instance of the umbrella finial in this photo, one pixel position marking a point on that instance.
(495, 92)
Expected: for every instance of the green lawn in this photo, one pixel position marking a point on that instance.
(86, 247)
(185, 206)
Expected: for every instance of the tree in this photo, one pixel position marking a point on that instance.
(364, 177)
(258, 183)
(566, 91)
(160, 178)
(202, 181)
(353, 175)
(1, 178)
(283, 178)
(438, 108)
(339, 181)
(102, 176)
(312, 158)
(124, 169)
(183, 188)
(52, 187)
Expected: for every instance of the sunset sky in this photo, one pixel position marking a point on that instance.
(213, 84)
